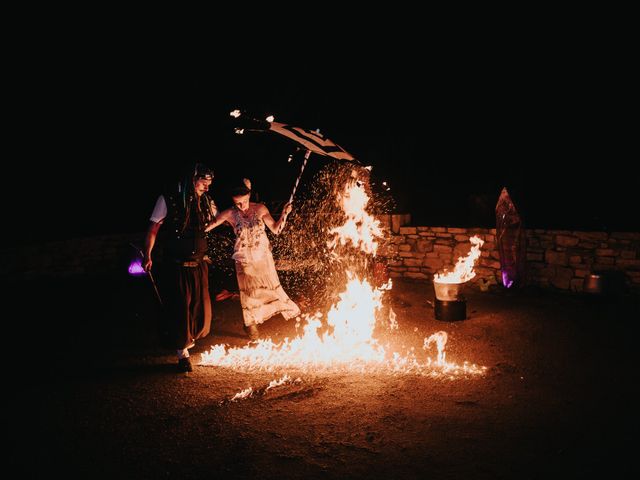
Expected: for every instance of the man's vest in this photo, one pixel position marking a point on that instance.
(184, 227)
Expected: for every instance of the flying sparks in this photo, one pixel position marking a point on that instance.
(344, 338)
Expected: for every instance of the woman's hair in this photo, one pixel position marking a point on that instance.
(241, 188)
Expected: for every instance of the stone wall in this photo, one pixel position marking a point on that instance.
(558, 259)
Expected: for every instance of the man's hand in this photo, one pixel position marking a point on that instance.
(147, 263)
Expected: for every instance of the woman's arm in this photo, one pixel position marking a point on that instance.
(220, 219)
(275, 227)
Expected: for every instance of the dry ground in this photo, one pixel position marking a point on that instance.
(91, 394)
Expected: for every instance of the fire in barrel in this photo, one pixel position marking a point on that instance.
(450, 304)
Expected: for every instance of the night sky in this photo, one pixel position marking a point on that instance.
(446, 131)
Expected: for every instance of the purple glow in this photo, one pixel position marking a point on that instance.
(135, 267)
(506, 281)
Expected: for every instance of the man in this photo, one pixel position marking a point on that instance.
(187, 305)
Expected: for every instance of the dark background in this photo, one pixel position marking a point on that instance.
(104, 126)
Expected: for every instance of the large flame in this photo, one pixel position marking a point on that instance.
(346, 342)
(463, 271)
(343, 339)
(360, 228)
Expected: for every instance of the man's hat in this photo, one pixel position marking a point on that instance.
(202, 171)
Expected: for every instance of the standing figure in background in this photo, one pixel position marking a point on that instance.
(186, 213)
(261, 294)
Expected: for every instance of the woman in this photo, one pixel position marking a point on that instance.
(261, 294)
